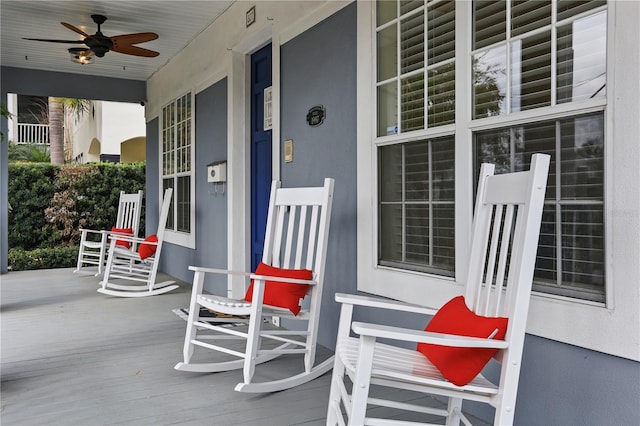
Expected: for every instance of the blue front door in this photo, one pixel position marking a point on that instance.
(260, 152)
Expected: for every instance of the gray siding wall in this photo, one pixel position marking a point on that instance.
(211, 208)
(319, 68)
(152, 171)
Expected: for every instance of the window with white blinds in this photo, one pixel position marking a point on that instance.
(531, 54)
(415, 74)
(570, 259)
(177, 147)
(416, 193)
(525, 55)
(415, 91)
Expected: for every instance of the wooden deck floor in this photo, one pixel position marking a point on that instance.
(72, 356)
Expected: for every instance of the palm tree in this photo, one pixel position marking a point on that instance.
(56, 130)
(57, 107)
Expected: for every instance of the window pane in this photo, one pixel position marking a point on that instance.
(412, 103)
(412, 43)
(583, 158)
(489, 82)
(581, 58)
(443, 207)
(388, 109)
(510, 148)
(386, 11)
(583, 247)
(570, 258)
(417, 224)
(417, 171)
(407, 6)
(391, 233)
(443, 170)
(537, 137)
(441, 33)
(495, 147)
(168, 183)
(183, 215)
(528, 15)
(490, 22)
(531, 72)
(569, 8)
(417, 246)
(442, 94)
(443, 253)
(546, 270)
(390, 166)
(387, 50)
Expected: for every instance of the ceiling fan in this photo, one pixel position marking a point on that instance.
(99, 44)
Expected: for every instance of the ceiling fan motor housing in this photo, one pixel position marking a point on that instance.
(99, 43)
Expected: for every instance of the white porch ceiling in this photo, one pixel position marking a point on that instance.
(177, 23)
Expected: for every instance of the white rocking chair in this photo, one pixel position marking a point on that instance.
(503, 252)
(296, 237)
(93, 251)
(140, 265)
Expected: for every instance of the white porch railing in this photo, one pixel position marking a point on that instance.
(33, 133)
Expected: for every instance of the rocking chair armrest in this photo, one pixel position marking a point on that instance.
(378, 302)
(129, 238)
(250, 275)
(218, 271)
(283, 279)
(94, 231)
(420, 336)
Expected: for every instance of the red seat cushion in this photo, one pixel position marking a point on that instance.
(147, 250)
(126, 231)
(281, 294)
(461, 365)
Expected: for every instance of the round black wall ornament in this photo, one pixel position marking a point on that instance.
(316, 115)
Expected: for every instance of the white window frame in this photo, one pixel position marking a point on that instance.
(185, 239)
(613, 327)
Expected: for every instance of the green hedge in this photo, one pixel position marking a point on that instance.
(50, 203)
(43, 258)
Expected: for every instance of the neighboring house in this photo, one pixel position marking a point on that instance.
(109, 131)
(414, 98)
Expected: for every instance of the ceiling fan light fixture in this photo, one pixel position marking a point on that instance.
(81, 56)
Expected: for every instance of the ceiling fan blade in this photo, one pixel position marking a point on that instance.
(55, 41)
(135, 51)
(75, 29)
(129, 39)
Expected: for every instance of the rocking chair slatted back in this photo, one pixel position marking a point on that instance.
(501, 219)
(296, 248)
(129, 211)
(93, 253)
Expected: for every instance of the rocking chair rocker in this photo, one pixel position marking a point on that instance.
(140, 265)
(488, 321)
(296, 237)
